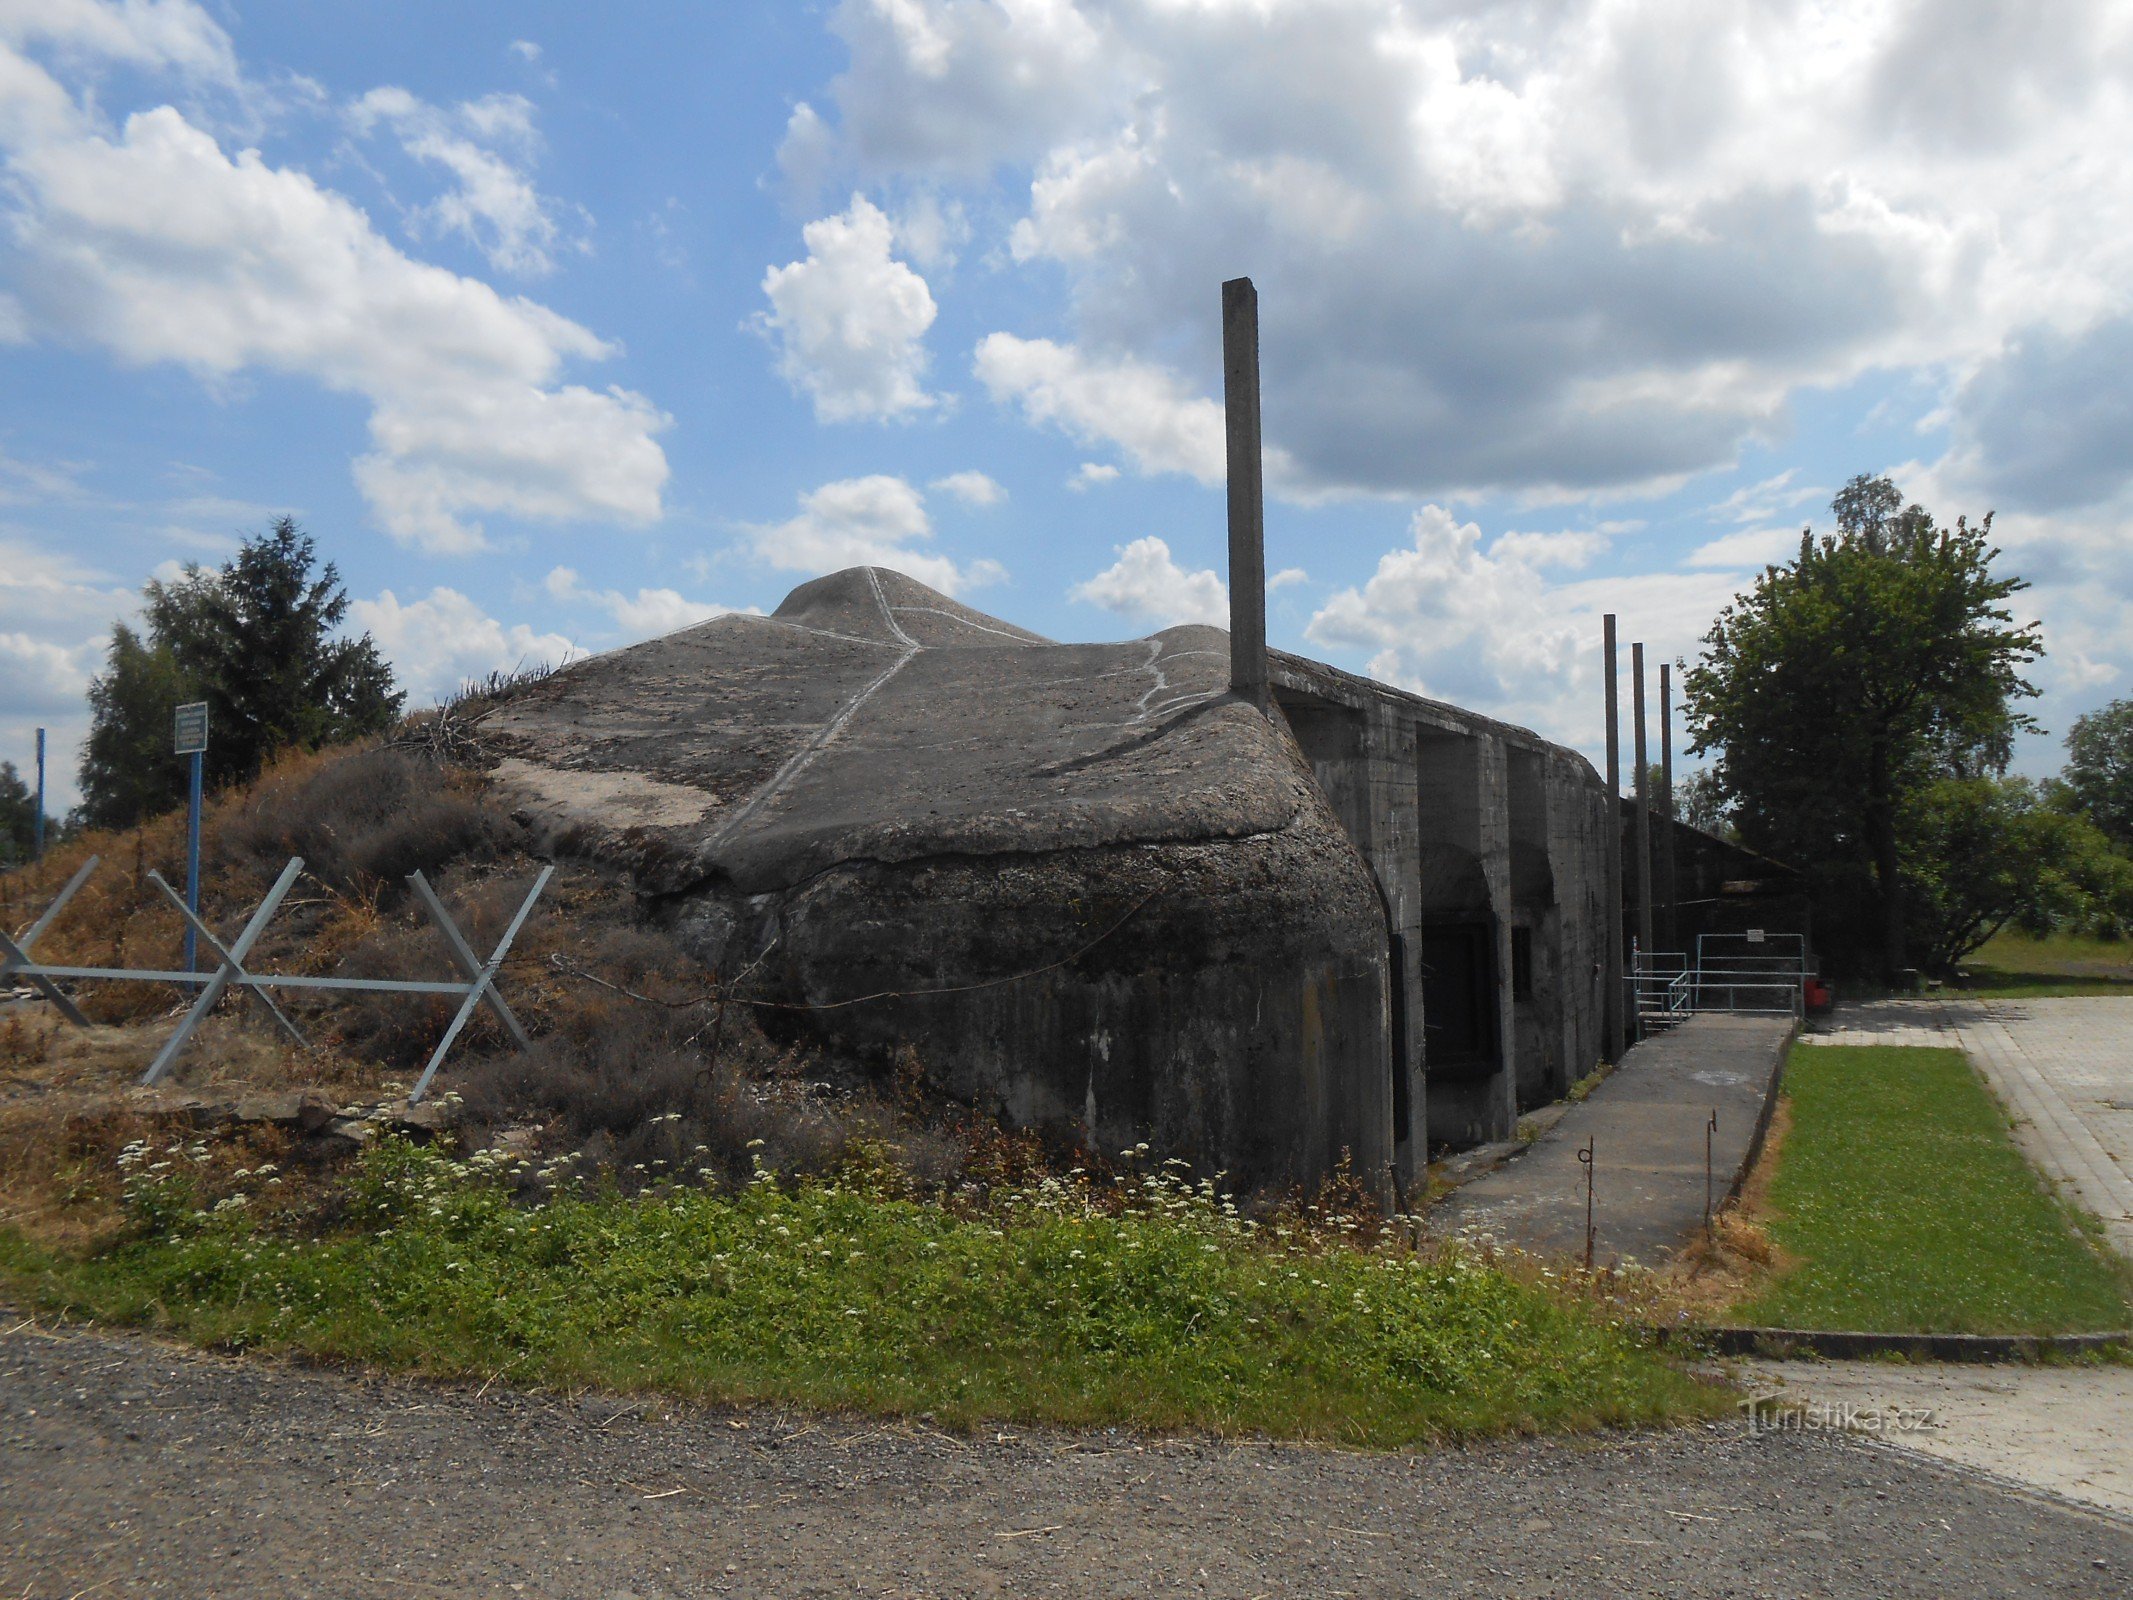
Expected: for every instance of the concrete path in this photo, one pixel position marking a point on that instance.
(1646, 1124)
(2064, 1068)
(2066, 1431)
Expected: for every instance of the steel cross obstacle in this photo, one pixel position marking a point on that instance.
(15, 957)
(478, 987)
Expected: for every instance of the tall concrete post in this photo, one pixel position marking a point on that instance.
(1669, 892)
(1613, 1008)
(1644, 806)
(1247, 497)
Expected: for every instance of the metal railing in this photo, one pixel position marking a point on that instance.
(478, 987)
(1730, 973)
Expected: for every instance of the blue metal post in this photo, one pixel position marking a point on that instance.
(192, 862)
(37, 820)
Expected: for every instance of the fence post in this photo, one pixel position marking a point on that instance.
(1585, 1160)
(37, 819)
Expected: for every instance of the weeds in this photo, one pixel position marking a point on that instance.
(1591, 1081)
(1150, 1303)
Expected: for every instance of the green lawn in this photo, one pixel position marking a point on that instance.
(2013, 965)
(1908, 1209)
(1041, 1308)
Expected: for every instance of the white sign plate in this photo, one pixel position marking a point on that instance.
(192, 728)
(1755, 935)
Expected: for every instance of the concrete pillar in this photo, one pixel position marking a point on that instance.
(1669, 894)
(1464, 817)
(1247, 497)
(1612, 834)
(1644, 806)
(1364, 760)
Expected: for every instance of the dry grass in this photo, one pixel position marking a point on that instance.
(1713, 1273)
(67, 1107)
(637, 1062)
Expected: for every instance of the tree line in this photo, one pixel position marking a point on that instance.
(257, 640)
(1861, 703)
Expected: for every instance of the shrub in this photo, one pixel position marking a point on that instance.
(362, 821)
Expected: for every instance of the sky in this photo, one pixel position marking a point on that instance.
(560, 327)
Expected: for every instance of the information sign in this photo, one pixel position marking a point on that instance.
(192, 728)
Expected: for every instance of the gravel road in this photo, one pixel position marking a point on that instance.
(129, 1467)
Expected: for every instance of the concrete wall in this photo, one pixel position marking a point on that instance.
(1363, 754)
(1267, 1006)
(1093, 887)
(1225, 1000)
(1488, 847)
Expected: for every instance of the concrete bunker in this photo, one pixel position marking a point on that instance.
(1091, 886)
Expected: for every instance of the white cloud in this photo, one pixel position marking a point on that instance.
(930, 231)
(43, 684)
(1751, 547)
(444, 639)
(172, 35)
(42, 677)
(495, 204)
(526, 50)
(1287, 577)
(1147, 584)
(961, 87)
(1574, 249)
(1760, 502)
(972, 488)
(1489, 627)
(647, 614)
(55, 625)
(877, 521)
(2079, 564)
(35, 482)
(38, 584)
(1147, 411)
(154, 244)
(1090, 474)
(851, 319)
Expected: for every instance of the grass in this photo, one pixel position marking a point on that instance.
(1173, 1313)
(1904, 1207)
(2013, 965)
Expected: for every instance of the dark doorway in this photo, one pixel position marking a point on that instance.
(1459, 999)
(1401, 1125)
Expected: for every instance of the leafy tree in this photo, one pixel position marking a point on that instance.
(2099, 769)
(255, 640)
(1699, 802)
(127, 769)
(18, 816)
(1880, 660)
(1980, 853)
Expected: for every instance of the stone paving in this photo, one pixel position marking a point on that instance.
(2064, 1068)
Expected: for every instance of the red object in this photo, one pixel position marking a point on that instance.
(1818, 995)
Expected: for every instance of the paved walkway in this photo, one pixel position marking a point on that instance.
(2065, 1430)
(2064, 1068)
(1646, 1124)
